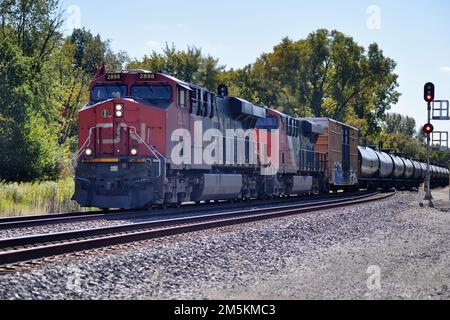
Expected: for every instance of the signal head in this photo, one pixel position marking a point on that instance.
(429, 92)
(428, 128)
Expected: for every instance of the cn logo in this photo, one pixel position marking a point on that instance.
(105, 114)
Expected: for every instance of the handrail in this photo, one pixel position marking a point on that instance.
(153, 150)
(81, 150)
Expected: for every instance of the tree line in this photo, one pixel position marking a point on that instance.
(44, 79)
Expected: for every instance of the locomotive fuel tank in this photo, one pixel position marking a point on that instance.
(386, 165)
(218, 187)
(370, 162)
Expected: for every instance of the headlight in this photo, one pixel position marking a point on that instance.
(119, 110)
(88, 152)
(134, 152)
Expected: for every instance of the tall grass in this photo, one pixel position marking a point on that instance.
(37, 198)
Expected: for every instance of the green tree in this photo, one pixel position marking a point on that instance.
(189, 65)
(398, 124)
(440, 158)
(402, 143)
(327, 74)
(29, 93)
(29, 150)
(43, 83)
(33, 26)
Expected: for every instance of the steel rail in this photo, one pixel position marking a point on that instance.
(18, 250)
(65, 218)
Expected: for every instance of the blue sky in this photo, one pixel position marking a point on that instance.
(416, 34)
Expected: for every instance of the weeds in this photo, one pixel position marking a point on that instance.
(37, 198)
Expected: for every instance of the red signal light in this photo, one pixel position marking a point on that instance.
(428, 128)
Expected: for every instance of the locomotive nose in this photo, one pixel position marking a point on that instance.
(118, 132)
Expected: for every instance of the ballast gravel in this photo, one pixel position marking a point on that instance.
(391, 249)
(107, 221)
(62, 227)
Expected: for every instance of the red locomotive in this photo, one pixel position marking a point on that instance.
(148, 138)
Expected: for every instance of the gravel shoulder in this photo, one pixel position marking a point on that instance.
(386, 250)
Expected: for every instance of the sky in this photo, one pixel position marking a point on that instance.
(416, 34)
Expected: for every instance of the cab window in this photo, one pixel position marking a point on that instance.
(205, 104)
(182, 97)
(213, 106)
(102, 93)
(152, 93)
(158, 96)
(290, 127)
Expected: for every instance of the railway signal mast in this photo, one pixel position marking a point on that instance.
(429, 95)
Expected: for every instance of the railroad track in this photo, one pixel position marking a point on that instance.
(26, 249)
(65, 218)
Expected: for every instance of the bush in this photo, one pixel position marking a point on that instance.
(37, 198)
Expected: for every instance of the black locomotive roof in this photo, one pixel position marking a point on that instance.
(242, 107)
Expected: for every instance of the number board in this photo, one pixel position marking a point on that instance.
(113, 77)
(146, 76)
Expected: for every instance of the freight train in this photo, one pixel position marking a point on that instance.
(150, 139)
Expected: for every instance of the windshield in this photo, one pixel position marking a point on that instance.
(152, 93)
(101, 93)
(268, 123)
